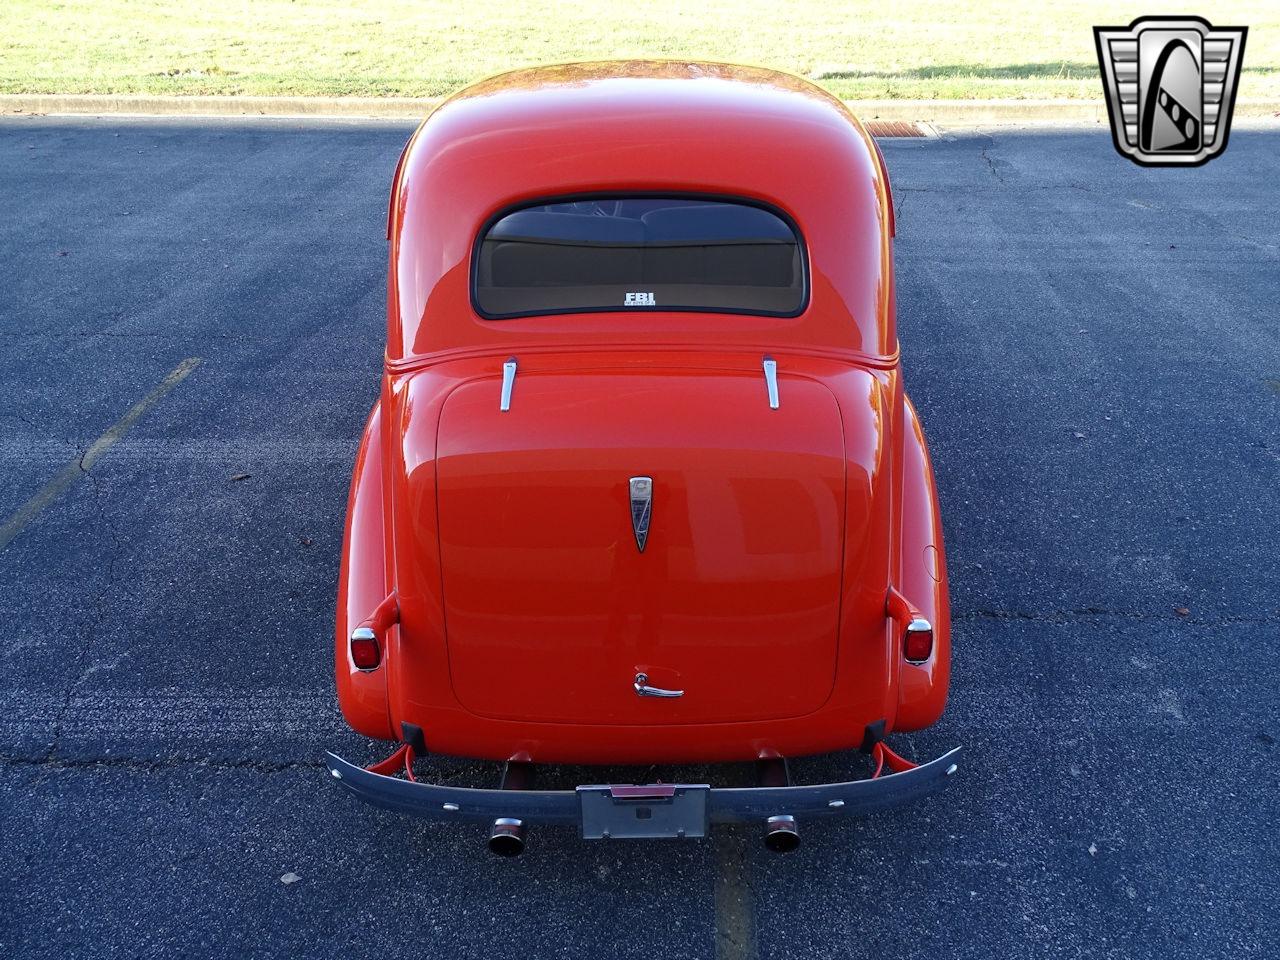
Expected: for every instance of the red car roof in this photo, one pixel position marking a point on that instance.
(640, 126)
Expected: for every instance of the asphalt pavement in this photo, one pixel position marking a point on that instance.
(1094, 351)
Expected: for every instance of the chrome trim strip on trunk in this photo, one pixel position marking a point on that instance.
(771, 381)
(508, 382)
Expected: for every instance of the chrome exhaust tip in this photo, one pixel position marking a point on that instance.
(781, 835)
(506, 839)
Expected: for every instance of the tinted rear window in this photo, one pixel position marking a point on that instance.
(639, 253)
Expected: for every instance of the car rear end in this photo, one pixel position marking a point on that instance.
(649, 486)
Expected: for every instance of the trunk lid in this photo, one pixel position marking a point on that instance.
(550, 607)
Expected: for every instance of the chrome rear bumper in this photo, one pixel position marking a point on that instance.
(566, 807)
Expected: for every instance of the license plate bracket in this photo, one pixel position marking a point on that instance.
(645, 811)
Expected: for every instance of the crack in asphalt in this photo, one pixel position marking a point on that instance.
(17, 416)
(81, 466)
(62, 438)
(989, 143)
(97, 607)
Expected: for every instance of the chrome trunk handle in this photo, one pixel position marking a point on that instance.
(644, 690)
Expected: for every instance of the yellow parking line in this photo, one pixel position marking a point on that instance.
(735, 925)
(68, 474)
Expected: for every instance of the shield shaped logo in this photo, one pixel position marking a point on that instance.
(1170, 84)
(641, 509)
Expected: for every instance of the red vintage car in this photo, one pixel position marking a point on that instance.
(643, 485)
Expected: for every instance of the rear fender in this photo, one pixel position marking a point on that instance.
(922, 580)
(362, 586)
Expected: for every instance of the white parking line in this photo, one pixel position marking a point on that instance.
(68, 474)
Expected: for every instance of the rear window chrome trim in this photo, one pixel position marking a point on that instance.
(479, 236)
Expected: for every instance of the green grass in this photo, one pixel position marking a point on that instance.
(954, 50)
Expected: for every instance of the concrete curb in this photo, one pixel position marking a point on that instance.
(408, 108)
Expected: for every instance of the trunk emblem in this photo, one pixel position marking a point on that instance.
(641, 508)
